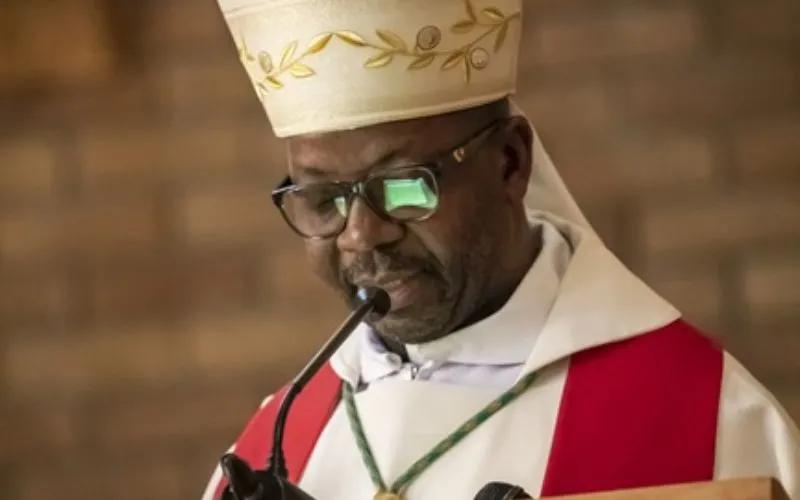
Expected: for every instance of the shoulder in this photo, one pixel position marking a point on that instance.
(684, 335)
(746, 399)
(677, 344)
(756, 435)
(742, 394)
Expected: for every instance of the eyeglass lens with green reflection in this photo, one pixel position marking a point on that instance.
(403, 194)
(321, 210)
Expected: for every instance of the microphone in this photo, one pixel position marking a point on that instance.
(272, 483)
(502, 491)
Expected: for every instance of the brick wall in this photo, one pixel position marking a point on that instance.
(150, 296)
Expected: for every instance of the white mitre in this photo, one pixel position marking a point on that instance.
(328, 65)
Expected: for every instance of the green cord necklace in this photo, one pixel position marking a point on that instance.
(401, 484)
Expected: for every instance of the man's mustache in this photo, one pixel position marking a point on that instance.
(377, 264)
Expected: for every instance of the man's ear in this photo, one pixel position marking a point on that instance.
(517, 156)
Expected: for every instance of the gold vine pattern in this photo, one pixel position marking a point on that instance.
(389, 46)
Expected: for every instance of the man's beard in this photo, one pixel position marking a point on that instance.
(427, 320)
(454, 289)
(423, 321)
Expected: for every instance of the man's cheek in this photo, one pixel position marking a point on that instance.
(432, 241)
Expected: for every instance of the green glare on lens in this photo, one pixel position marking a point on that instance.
(414, 193)
(341, 205)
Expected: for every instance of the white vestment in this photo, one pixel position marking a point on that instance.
(598, 302)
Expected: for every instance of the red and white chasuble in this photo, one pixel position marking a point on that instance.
(628, 395)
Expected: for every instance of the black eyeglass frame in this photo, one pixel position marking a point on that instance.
(352, 189)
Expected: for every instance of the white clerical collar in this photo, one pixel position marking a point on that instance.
(598, 301)
(504, 338)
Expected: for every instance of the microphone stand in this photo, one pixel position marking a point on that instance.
(273, 484)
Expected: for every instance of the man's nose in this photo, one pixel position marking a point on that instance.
(366, 230)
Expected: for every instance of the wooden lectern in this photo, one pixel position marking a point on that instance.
(734, 489)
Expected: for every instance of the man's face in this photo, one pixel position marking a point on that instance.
(436, 271)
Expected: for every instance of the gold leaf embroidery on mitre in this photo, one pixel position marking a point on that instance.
(389, 46)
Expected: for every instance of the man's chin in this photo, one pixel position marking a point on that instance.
(410, 326)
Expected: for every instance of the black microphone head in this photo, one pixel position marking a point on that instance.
(245, 483)
(381, 303)
(242, 480)
(501, 491)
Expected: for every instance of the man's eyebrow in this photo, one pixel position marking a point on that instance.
(311, 171)
(386, 160)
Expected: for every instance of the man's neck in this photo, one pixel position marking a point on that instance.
(529, 251)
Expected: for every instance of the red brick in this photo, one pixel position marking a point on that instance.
(114, 158)
(96, 229)
(695, 288)
(186, 26)
(720, 220)
(6, 49)
(143, 158)
(600, 171)
(568, 110)
(714, 91)
(768, 23)
(227, 216)
(93, 476)
(277, 343)
(262, 152)
(172, 417)
(28, 235)
(162, 286)
(769, 353)
(771, 149)
(221, 281)
(56, 428)
(121, 356)
(125, 290)
(77, 108)
(203, 149)
(656, 31)
(28, 167)
(612, 221)
(41, 297)
(771, 286)
(288, 279)
(208, 87)
(76, 27)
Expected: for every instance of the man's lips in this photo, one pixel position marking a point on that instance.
(403, 290)
(385, 281)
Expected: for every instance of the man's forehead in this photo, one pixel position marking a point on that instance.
(363, 149)
(322, 158)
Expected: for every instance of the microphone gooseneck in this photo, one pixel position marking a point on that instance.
(373, 301)
(272, 484)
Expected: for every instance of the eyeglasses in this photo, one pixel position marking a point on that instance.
(401, 194)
